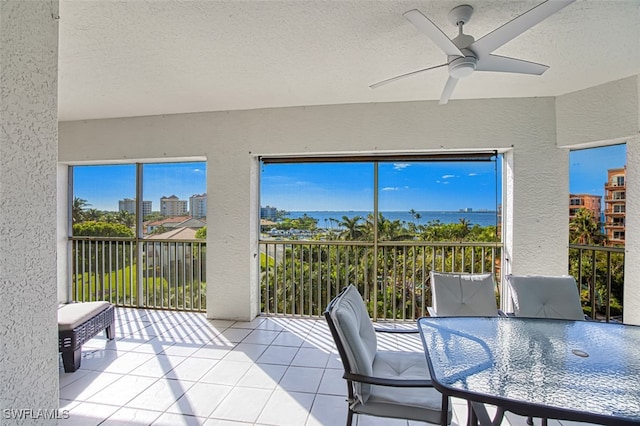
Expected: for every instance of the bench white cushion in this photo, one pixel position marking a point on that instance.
(73, 314)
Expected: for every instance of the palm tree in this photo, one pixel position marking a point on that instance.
(92, 214)
(126, 218)
(77, 209)
(352, 229)
(583, 228)
(463, 228)
(415, 215)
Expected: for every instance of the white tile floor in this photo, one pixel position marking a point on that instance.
(175, 368)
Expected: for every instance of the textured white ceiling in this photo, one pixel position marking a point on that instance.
(131, 58)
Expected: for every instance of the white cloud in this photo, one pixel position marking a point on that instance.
(400, 166)
(196, 170)
(390, 188)
(473, 174)
(448, 176)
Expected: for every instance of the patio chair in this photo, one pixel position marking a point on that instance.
(543, 296)
(463, 294)
(381, 383)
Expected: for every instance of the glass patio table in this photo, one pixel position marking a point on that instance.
(572, 370)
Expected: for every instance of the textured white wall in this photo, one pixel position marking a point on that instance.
(28, 162)
(231, 142)
(603, 113)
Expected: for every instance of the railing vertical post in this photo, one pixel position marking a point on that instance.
(375, 241)
(593, 278)
(423, 281)
(608, 312)
(138, 260)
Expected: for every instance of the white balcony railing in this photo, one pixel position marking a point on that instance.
(300, 277)
(164, 274)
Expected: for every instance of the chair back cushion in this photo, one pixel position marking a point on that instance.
(540, 296)
(357, 335)
(465, 295)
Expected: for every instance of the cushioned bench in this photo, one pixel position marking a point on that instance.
(78, 323)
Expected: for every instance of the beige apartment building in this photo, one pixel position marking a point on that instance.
(615, 206)
(172, 206)
(585, 201)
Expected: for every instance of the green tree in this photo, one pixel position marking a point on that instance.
(77, 209)
(417, 216)
(158, 230)
(92, 214)
(583, 229)
(126, 218)
(353, 229)
(101, 229)
(153, 216)
(201, 233)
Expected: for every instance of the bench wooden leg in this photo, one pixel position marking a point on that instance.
(71, 360)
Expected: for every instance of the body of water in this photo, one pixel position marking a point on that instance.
(482, 218)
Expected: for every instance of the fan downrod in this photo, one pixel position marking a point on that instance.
(460, 14)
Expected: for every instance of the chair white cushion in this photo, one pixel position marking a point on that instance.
(421, 404)
(466, 295)
(356, 331)
(540, 296)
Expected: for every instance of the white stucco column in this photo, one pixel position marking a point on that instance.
(232, 278)
(631, 313)
(28, 162)
(602, 115)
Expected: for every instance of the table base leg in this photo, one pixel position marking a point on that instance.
(478, 415)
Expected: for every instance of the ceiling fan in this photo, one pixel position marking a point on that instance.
(466, 55)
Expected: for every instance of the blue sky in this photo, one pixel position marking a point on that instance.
(103, 186)
(342, 186)
(403, 186)
(588, 168)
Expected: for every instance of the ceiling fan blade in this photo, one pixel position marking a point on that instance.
(504, 64)
(517, 26)
(398, 77)
(448, 90)
(425, 25)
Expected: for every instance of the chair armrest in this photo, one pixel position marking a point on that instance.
(432, 312)
(397, 330)
(382, 381)
(501, 313)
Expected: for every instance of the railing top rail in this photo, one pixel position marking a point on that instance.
(133, 239)
(157, 240)
(384, 243)
(88, 238)
(597, 248)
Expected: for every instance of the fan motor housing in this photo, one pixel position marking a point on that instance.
(462, 66)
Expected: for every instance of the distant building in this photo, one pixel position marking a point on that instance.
(590, 202)
(172, 206)
(615, 205)
(129, 205)
(198, 205)
(268, 212)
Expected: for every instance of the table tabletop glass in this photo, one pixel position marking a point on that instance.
(573, 368)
